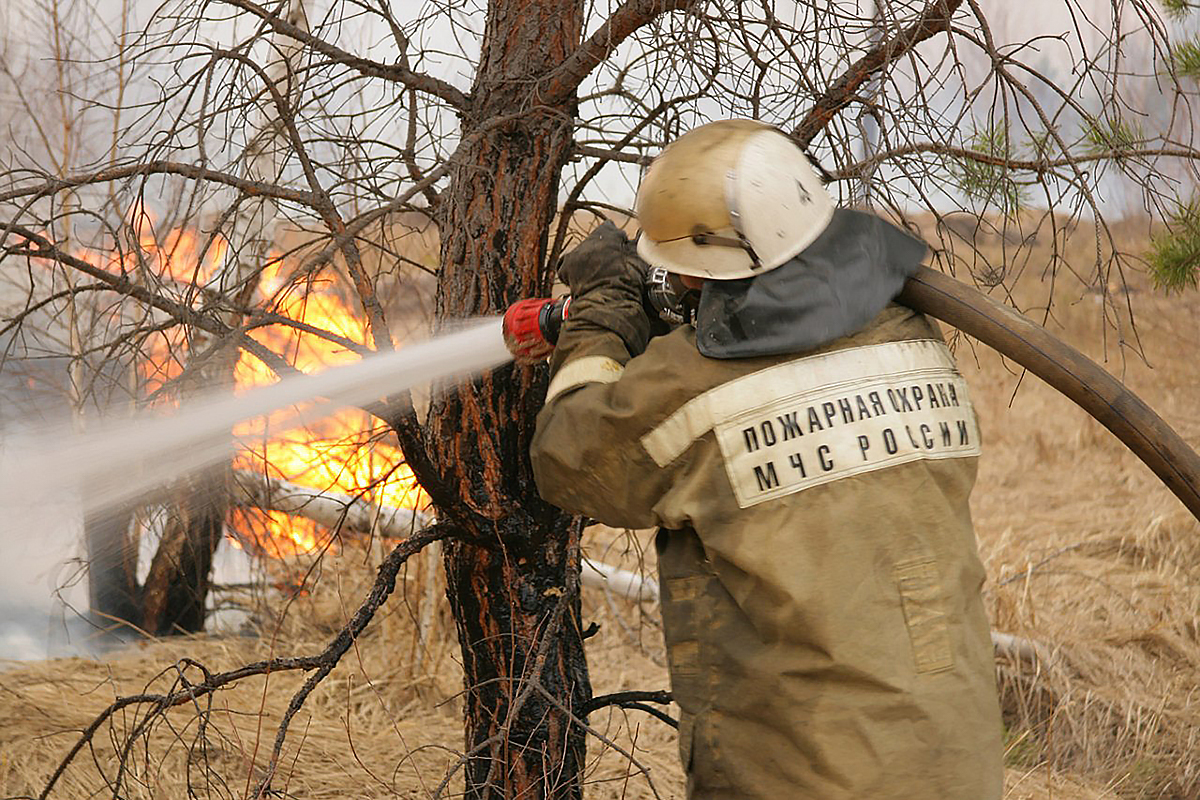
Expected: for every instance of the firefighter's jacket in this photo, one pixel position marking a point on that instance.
(821, 584)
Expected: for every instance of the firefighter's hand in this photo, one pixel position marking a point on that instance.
(607, 279)
(605, 258)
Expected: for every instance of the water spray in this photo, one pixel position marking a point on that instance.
(126, 460)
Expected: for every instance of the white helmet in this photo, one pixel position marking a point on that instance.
(730, 199)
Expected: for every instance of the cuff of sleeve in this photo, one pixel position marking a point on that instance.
(580, 371)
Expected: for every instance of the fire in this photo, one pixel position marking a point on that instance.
(180, 256)
(180, 264)
(273, 533)
(346, 453)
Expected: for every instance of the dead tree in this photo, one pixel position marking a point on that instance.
(567, 101)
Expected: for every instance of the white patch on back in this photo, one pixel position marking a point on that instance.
(823, 418)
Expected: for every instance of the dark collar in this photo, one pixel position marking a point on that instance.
(833, 288)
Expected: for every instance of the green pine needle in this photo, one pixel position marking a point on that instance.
(1185, 59)
(1042, 144)
(1112, 135)
(1174, 256)
(1177, 9)
(990, 183)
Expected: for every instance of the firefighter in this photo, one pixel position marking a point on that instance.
(806, 449)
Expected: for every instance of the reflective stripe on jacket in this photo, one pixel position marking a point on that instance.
(821, 584)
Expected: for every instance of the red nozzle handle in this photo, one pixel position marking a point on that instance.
(531, 327)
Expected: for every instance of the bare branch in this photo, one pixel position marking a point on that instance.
(366, 67)
(630, 16)
(1025, 165)
(635, 700)
(613, 155)
(661, 696)
(934, 19)
(42, 248)
(325, 207)
(249, 187)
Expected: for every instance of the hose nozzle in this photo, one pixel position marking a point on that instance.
(531, 327)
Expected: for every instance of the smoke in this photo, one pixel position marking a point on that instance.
(40, 578)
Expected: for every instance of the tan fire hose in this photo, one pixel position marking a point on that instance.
(531, 330)
(1067, 370)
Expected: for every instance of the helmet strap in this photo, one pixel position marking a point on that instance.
(740, 242)
(672, 301)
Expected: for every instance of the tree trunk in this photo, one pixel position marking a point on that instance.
(176, 590)
(512, 575)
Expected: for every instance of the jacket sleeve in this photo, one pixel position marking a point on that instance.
(586, 452)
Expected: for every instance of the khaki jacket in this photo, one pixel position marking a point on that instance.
(821, 583)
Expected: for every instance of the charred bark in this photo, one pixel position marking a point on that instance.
(512, 581)
(175, 594)
(517, 614)
(176, 589)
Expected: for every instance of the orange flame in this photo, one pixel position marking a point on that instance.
(341, 453)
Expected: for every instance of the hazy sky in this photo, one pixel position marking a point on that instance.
(1061, 28)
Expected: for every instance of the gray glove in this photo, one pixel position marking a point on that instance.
(607, 279)
(605, 257)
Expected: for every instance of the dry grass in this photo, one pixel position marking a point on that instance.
(1087, 552)
(385, 723)
(1088, 556)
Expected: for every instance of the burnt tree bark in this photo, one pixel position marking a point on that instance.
(175, 594)
(176, 589)
(512, 580)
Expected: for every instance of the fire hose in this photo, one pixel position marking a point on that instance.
(531, 329)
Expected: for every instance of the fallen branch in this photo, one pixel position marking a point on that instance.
(330, 509)
(348, 513)
(1018, 648)
(621, 582)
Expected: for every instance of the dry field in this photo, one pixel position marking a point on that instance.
(1089, 556)
(1092, 565)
